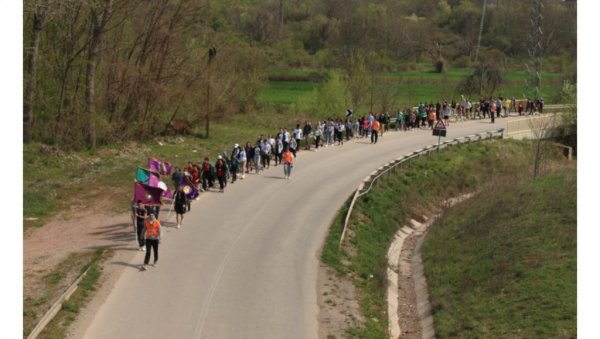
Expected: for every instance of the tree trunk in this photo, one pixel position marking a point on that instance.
(98, 24)
(30, 76)
(280, 19)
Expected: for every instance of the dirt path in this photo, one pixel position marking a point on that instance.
(73, 232)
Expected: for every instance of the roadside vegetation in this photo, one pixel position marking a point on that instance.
(102, 72)
(54, 285)
(504, 263)
(58, 179)
(416, 190)
(108, 84)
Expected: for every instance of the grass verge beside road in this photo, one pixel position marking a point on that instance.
(504, 264)
(416, 190)
(55, 284)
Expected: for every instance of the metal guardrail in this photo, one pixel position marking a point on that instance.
(375, 175)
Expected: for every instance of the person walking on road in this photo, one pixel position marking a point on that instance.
(221, 172)
(153, 236)
(257, 157)
(177, 177)
(374, 131)
(288, 163)
(242, 158)
(182, 205)
(318, 133)
(140, 214)
(306, 132)
(297, 134)
(207, 175)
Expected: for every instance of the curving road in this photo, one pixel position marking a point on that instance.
(245, 263)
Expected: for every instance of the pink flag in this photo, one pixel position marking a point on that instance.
(146, 194)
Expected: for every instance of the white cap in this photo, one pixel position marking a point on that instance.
(236, 145)
(220, 157)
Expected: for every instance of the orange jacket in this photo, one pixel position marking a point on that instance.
(375, 126)
(152, 229)
(288, 157)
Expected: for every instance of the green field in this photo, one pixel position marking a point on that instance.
(412, 192)
(413, 86)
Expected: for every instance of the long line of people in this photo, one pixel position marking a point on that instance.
(283, 147)
(268, 150)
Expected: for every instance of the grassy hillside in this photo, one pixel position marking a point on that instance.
(417, 189)
(504, 264)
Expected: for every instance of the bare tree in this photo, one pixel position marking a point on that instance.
(99, 17)
(542, 127)
(40, 12)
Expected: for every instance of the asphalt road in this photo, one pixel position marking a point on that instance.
(245, 262)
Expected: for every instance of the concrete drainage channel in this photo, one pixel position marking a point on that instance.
(411, 268)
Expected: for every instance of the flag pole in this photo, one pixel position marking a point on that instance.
(171, 208)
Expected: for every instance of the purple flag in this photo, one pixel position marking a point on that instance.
(148, 195)
(190, 191)
(155, 165)
(167, 194)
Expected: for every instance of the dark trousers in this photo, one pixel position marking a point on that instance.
(221, 181)
(317, 141)
(206, 182)
(374, 136)
(151, 244)
(140, 229)
(233, 175)
(266, 160)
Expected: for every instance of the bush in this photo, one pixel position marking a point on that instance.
(440, 66)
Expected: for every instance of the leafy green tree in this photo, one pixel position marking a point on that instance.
(359, 82)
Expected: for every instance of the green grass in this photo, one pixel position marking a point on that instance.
(414, 86)
(58, 327)
(412, 192)
(55, 283)
(503, 265)
(287, 92)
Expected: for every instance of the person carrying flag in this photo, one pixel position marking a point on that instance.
(182, 204)
(140, 214)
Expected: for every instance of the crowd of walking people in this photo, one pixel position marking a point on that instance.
(283, 147)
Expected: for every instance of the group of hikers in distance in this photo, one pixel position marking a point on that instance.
(283, 147)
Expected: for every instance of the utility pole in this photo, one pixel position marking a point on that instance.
(372, 88)
(534, 65)
(480, 30)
